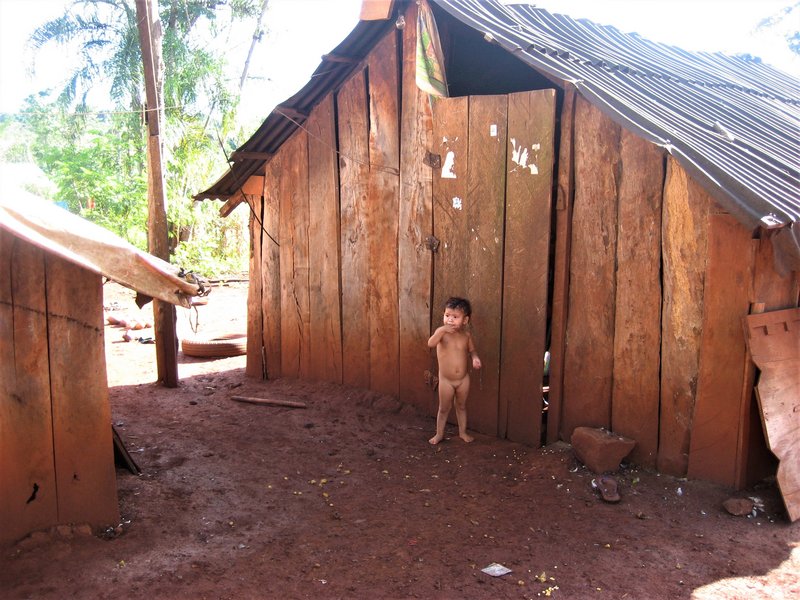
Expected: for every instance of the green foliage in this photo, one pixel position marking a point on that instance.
(97, 160)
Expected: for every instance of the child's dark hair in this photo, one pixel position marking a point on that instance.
(462, 304)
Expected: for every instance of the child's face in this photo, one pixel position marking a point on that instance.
(455, 317)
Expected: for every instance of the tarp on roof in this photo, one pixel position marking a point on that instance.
(77, 240)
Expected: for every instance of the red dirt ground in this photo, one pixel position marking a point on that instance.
(346, 499)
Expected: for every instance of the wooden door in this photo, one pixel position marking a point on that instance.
(491, 205)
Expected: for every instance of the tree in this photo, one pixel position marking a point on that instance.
(200, 104)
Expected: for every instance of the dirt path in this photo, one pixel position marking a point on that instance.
(346, 499)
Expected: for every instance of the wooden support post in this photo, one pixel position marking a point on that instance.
(163, 313)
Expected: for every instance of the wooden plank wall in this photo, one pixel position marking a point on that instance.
(382, 216)
(484, 209)
(295, 308)
(255, 366)
(415, 260)
(28, 498)
(726, 299)
(589, 352)
(637, 320)
(684, 240)
(271, 268)
(323, 239)
(82, 441)
(353, 127)
(529, 190)
(56, 452)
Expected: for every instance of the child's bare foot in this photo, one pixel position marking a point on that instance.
(466, 437)
(435, 439)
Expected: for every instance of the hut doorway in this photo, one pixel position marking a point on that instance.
(492, 199)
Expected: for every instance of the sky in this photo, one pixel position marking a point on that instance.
(301, 31)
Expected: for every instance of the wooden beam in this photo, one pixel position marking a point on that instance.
(340, 59)
(231, 204)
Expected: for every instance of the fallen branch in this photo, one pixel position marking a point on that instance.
(269, 401)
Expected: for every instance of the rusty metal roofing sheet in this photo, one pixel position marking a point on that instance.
(733, 122)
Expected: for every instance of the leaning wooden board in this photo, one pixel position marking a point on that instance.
(773, 339)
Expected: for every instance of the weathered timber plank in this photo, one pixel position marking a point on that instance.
(415, 260)
(529, 190)
(323, 193)
(450, 134)
(684, 239)
(450, 142)
(637, 322)
(773, 339)
(484, 206)
(775, 289)
(353, 126)
(254, 366)
(295, 318)
(561, 251)
(589, 353)
(271, 268)
(727, 289)
(28, 499)
(382, 216)
(82, 439)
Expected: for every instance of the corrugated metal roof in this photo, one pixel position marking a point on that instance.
(733, 122)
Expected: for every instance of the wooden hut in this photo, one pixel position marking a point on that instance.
(619, 202)
(56, 451)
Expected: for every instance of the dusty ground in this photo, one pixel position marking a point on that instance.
(346, 499)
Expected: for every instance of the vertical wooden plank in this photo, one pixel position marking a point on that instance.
(295, 318)
(529, 189)
(450, 131)
(484, 206)
(382, 216)
(28, 498)
(717, 418)
(255, 317)
(415, 262)
(774, 289)
(637, 322)
(82, 442)
(684, 239)
(353, 175)
(323, 193)
(271, 268)
(561, 251)
(589, 356)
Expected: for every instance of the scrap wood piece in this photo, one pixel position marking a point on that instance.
(121, 455)
(773, 339)
(269, 401)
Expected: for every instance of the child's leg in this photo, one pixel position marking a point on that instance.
(446, 393)
(461, 409)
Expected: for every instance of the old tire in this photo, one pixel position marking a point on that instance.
(220, 346)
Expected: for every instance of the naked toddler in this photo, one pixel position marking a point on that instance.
(454, 347)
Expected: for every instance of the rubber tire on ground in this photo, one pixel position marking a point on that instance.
(220, 346)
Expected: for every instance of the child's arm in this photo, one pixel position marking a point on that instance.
(476, 361)
(438, 335)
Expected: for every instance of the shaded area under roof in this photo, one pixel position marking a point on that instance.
(732, 122)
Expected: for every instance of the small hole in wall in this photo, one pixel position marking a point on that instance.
(33, 494)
